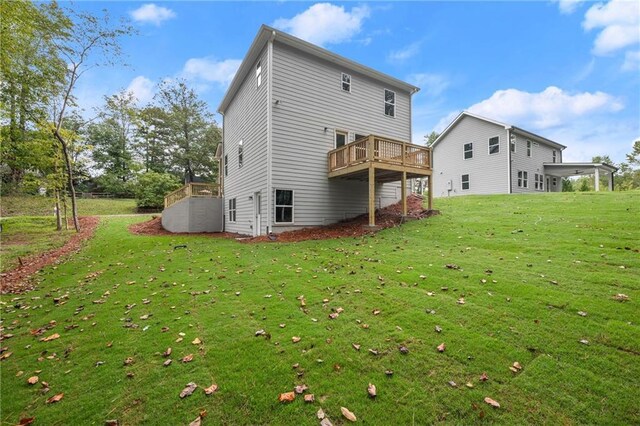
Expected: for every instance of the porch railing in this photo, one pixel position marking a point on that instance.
(202, 190)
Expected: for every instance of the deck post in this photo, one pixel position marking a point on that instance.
(611, 181)
(372, 195)
(404, 193)
(597, 181)
(430, 199)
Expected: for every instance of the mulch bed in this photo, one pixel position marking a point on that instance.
(385, 218)
(19, 280)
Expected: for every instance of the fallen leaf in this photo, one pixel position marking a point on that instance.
(483, 377)
(388, 372)
(187, 358)
(584, 342)
(373, 352)
(167, 352)
(33, 380)
(287, 397)
(582, 314)
(469, 385)
(326, 422)
(26, 421)
(196, 422)
(260, 333)
(339, 310)
(196, 341)
(309, 397)
(167, 363)
(128, 361)
(55, 398)
(283, 325)
(296, 339)
(492, 402)
(371, 390)
(513, 370)
(453, 384)
(188, 390)
(441, 347)
(348, 414)
(620, 297)
(438, 329)
(5, 355)
(50, 338)
(517, 365)
(403, 350)
(300, 389)
(211, 389)
(365, 326)
(376, 312)
(461, 301)
(320, 414)
(355, 346)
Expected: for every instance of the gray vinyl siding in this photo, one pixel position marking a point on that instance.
(540, 153)
(309, 99)
(488, 174)
(246, 119)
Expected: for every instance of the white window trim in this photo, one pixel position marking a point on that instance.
(462, 181)
(335, 138)
(293, 207)
(234, 210)
(394, 103)
(464, 151)
(489, 145)
(342, 82)
(513, 145)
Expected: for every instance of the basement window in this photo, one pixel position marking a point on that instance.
(232, 210)
(346, 82)
(468, 150)
(494, 145)
(284, 206)
(465, 182)
(389, 103)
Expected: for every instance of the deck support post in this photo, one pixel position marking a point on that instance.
(430, 199)
(372, 195)
(611, 181)
(404, 193)
(597, 181)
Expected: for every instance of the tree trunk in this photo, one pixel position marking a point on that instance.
(58, 219)
(72, 190)
(66, 221)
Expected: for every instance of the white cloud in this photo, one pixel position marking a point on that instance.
(619, 21)
(631, 61)
(549, 108)
(431, 84)
(210, 70)
(567, 7)
(405, 53)
(150, 13)
(325, 23)
(142, 88)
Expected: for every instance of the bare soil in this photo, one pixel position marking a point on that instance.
(19, 280)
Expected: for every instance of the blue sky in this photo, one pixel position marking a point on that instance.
(568, 70)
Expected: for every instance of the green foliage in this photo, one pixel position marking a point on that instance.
(522, 291)
(431, 138)
(567, 185)
(151, 188)
(584, 184)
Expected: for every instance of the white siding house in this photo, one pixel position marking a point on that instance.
(289, 105)
(478, 155)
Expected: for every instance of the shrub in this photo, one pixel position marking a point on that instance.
(151, 188)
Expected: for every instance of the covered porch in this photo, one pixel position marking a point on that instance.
(378, 159)
(580, 169)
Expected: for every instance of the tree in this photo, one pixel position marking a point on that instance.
(152, 141)
(152, 187)
(431, 138)
(633, 158)
(567, 185)
(190, 130)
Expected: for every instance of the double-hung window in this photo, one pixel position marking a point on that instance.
(341, 138)
(468, 150)
(389, 103)
(346, 82)
(554, 155)
(284, 206)
(528, 148)
(494, 145)
(512, 142)
(523, 179)
(465, 182)
(232, 210)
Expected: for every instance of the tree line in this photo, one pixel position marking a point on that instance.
(49, 144)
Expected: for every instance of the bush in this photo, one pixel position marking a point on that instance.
(151, 188)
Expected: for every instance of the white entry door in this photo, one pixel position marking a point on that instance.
(257, 214)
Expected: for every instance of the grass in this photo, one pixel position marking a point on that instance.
(34, 205)
(551, 255)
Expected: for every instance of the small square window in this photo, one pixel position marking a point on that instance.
(284, 206)
(554, 181)
(465, 182)
(258, 74)
(341, 138)
(346, 82)
(468, 151)
(389, 103)
(494, 145)
(232, 210)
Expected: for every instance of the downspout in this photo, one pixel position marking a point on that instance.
(269, 131)
(222, 163)
(509, 177)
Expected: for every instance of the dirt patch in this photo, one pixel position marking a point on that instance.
(385, 218)
(18, 280)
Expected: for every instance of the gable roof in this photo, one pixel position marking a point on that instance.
(266, 33)
(514, 129)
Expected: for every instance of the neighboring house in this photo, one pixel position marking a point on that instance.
(311, 138)
(477, 155)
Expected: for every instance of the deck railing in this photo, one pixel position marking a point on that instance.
(202, 190)
(380, 149)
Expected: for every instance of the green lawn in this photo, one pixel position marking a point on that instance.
(549, 256)
(34, 205)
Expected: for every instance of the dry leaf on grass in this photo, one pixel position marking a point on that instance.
(167, 352)
(376, 312)
(301, 388)
(320, 414)
(188, 390)
(187, 358)
(55, 398)
(33, 380)
(211, 389)
(196, 422)
(26, 421)
(326, 422)
(492, 402)
(128, 361)
(196, 341)
(296, 339)
(50, 338)
(348, 414)
(309, 397)
(441, 347)
(167, 363)
(287, 397)
(483, 377)
(371, 390)
(356, 346)
(5, 355)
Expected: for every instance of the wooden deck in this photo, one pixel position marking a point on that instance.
(378, 159)
(202, 190)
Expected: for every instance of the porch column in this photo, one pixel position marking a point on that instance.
(404, 193)
(372, 195)
(430, 199)
(611, 181)
(597, 183)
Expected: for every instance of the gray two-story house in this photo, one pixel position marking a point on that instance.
(478, 155)
(312, 138)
